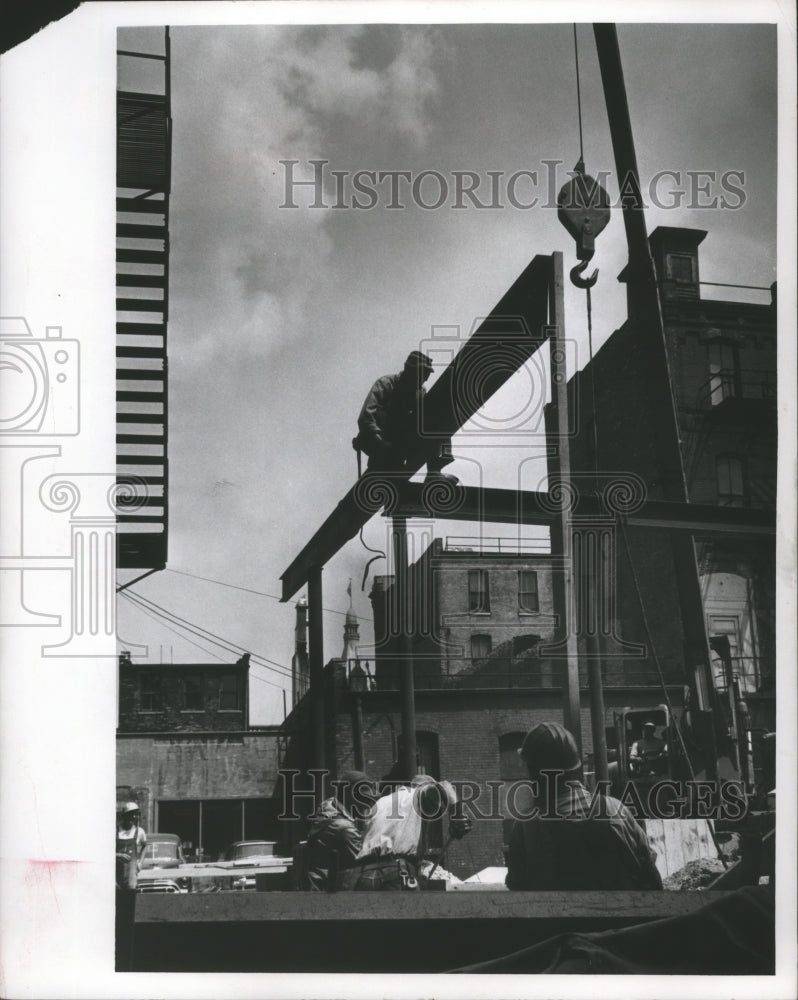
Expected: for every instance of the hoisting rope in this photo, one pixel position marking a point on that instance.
(589, 302)
(578, 96)
(379, 553)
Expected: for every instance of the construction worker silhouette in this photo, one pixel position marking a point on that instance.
(391, 427)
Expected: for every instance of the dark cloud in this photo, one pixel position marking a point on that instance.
(376, 47)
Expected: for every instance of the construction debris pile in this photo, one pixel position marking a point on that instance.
(695, 875)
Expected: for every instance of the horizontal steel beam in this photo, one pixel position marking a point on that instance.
(470, 503)
(528, 507)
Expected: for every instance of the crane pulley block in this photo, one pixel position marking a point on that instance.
(583, 207)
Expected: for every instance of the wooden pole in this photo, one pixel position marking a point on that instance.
(402, 598)
(559, 471)
(594, 566)
(316, 662)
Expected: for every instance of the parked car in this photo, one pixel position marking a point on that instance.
(164, 885)
(249, 851)
(163, 850)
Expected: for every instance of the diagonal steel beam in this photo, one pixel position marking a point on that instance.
(510, 335)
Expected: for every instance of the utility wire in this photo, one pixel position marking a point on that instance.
(181, 623)
(218, 640)
(162, 621)
(248, 590)
(228, 643)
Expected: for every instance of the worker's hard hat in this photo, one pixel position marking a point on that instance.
(415, 359)
(649, 725)
(130, 807)
(550, 746)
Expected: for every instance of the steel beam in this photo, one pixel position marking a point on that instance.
(514, 330)
(402, 618)
(645, 312)
(501, 506)
(559, 475)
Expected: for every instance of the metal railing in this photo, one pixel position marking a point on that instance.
(497, 545)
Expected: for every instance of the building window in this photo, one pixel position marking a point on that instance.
(731, 481)
(192, 693)
(480, 646)
(229, 693)
(680, 267)
(723, 371)
(150, 698)
(478, 592)
(528, 591)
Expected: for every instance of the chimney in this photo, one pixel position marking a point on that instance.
(675, 254)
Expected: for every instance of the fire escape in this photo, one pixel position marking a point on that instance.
(143, 170)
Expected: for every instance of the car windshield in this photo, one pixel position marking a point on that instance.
(161, 851)
(249, 850)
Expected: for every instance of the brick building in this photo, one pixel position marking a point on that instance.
(472, 711)
(721, 360)
(186, 753)
(483, 621)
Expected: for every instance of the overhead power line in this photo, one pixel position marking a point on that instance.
(248, 590)
(205, 634)
(161, 620)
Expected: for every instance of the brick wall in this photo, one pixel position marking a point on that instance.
(172, 716)
(468, 726)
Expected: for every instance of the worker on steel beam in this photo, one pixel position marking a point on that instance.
(391, 425)
(568, 839)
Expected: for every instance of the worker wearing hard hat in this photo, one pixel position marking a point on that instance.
(391, 427)
(563, 843)
(130, 843)
(335, 836)
(648, 753)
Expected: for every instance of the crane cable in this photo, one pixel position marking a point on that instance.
(587, 290)
(578, 97)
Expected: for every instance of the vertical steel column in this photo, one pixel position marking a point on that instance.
(402, 625)
(357, 733)
(559, 472)
(316, 658)
(595, 623)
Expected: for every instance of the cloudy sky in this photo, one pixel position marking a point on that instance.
(281, 318)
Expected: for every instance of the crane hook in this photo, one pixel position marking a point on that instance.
(578, 280)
